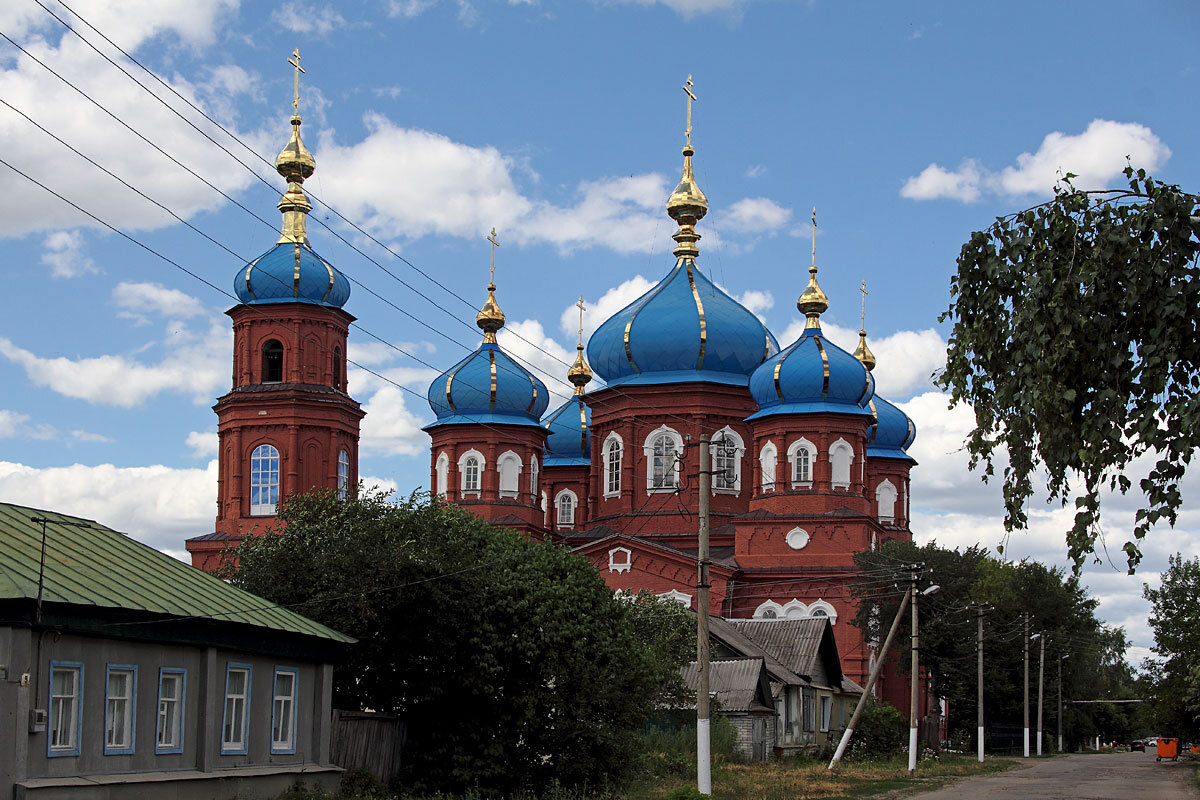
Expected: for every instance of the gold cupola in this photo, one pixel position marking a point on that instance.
(490, 318)
(862, 352)
(687, 205)
(812, 303)
(295, 163)
(579, 374)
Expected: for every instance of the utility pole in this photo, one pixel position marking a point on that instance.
(979, 712)
(703, 741)
(862, 700)
(42, 563)
(912, 708)
(1025, 614)
(1041, 672)
(1061, 656)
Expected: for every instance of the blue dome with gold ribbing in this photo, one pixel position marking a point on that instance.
(685, 328)
(891, 431)
(570, 424)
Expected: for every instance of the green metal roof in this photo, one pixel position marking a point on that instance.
(99, 567)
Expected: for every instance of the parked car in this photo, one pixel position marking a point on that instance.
(1137, 746)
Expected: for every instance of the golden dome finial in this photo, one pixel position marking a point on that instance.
(862, 352)
(490, 318)
(687, 205)
(813, 302)
(579, 374)
(295, 164)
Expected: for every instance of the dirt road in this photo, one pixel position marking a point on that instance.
(1119, 776)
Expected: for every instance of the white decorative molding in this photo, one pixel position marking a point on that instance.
(739, 446)
(607, 462)
(769, 610)
(462, 475)
(885, 502)
(620, 559)
(821, 608)
(442, 468)
(841, 456)
(768, 464)
(811, 448)
(798, 538)
(683, 599)
(565, 520)
(648, 452)
(509, 467)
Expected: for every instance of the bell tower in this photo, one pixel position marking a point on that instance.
(288, 424)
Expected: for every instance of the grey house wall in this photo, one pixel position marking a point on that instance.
(33, 773)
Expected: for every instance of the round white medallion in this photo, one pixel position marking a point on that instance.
(797, 538)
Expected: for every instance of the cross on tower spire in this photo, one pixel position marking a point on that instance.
(864, 303)
(581, 307)
(492, 272)
(687, 89)
(295, 62)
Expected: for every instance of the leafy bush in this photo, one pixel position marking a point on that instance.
(880, 732)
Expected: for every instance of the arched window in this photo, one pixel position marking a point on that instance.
(663, 448)
(442, 467)
(337, 368)
(533, 477)
(272, 361)
(620, 559)
(801, 455)
(769, 610)
(727, 449)
(612, 465)
(841, 454)
(768, 460)
(885, 502)
(470, 470)
(769, 613)
(509, 467)
(564, 505)
(343, 474)
(264, 481)
(820, 612)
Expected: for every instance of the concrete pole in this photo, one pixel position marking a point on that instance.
(1026, 682)
(979, 712)
(1041, 672)
(1060, 660)
(703, 740)
(912, 708)
(862, 701)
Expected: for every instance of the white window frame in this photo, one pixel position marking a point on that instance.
(823, 605)
(120, 710)
(261, 483)
(534, 475)
(682, 598)
(509, 482)
(240, 724)
(343, 474)
(168, 735)
(620, 564)
(561, 520)
(885, 490)
(462, 474)
(841, 481)
(441, 468)
(612, 467)
(768, 466)
(670, 481)
(773, 607)
(739, 450)
(799, 481)
(826, 701)
(284, 709)
(66, 711)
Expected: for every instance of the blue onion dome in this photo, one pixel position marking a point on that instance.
(812, 374)
(568, 443)
(685, 328)
(891, 431)
(488, 386)
(291, 271)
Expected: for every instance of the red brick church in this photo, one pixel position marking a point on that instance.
(809, 463)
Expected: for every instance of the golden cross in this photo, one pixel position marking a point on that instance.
(814, 242)
(687, 88)
(580, 306)
(295, 62)
(492, 238)
(864, 304)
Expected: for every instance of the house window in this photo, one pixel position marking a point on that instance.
(343, 474)
(509, 467)
(533, 477)
(442, 467)
(808, 708)
(663, 454)
(801, 455)
(565, 504)
(119, 699)
(620, 559)
(769, 613)
(768, 459)
(885, 502)
(264, 481)
(612, 466)
(66, 698)
(237, 709)
(337, 368)
(727, 449)
(840, 456)
(470, 470)
(272, 362)
(171, 687)
(283, 712)
(826, 711)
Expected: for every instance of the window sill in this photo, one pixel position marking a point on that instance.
(662, 490)
(802, 485)
(612, 495)
(732, 492)
(508, 495)
(262, 511)
(470, 495)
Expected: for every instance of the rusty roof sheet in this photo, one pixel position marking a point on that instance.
(738, 683)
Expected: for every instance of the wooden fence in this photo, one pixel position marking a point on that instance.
(374, 742)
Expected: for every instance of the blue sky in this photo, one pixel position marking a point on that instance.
(907, 126)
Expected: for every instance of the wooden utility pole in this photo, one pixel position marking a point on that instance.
(1025, 615)
(703, 741)
(912, 708)
(862, 700)
(1041, 673)
(979, 711)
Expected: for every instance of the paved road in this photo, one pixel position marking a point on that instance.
(1119, 776)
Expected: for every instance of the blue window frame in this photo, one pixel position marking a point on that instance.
(285, 710)
(264, 481)
(120, 709)
(235, 722)
(172, 705)
(65, 723)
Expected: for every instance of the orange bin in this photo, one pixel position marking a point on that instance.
(1167, 748)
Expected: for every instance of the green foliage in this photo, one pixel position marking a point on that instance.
(1174, 676)
(1058, 606)
(511, 661)
(1075, 341)
(667, 749)
(882, 731)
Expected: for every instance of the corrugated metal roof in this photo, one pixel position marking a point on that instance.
(794, 642)
(97, 566)
(735, 682)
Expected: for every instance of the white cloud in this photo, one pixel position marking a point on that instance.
(130, 22)
(14, 425)
(1096, 156)
(137, 300)
(204, 444)
(314, 18)
(692, 7)
(755, 171)
(389, 427)
(757, 301)
(597, 311)
(467, 13)
(753, 215)
(409, 8)
(527, 342)
(158, 505)
(65, 255)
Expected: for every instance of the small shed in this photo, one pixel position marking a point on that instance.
(742, 691)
